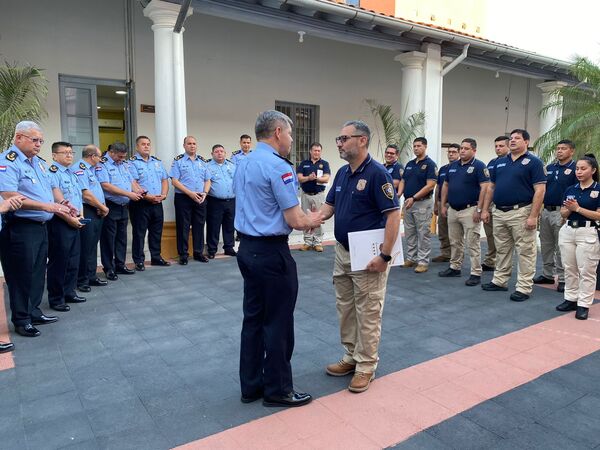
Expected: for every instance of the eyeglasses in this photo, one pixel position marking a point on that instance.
(64, 153)
(343, 139)
(34, 140)
(390, 153)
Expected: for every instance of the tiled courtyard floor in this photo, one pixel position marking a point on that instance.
(150, 362)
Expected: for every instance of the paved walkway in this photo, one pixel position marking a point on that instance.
(151, 362)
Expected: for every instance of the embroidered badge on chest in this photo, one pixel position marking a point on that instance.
(424, 166)
(525, 161)
(470, 169)
(568, 171)
(361, 185)
(594, 194)
(388, 190)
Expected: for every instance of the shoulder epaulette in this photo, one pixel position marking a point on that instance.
(208, 160)
(103, 159)
(41, 158)
(133, 158)
(11, 156)
(154, 157)
(202, 158)
(237, 152)
(178, 157)
(284, 158)
(82, 165)
(53, 168)
(228, 160)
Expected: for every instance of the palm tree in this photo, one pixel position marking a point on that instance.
(580, 121)
(394, 130)
(23, 91)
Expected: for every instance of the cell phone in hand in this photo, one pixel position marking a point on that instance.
(84, 221)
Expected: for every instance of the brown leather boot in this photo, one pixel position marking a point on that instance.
(361, 381)
(340, 369)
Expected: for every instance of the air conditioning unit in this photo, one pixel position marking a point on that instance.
(112, 124)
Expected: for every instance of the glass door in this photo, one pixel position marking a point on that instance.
(79, 117)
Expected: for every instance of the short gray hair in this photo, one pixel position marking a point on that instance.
(89, 150)
(361, 127)
(27, 125)
(267, 121)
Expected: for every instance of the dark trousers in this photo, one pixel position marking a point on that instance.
(64, 248)
(219, 212)
(23, 252)
(189, 213)
(146, 217)
(89, 236)
(113, 238)
(270, 291)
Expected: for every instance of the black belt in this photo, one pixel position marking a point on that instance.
(511, 207)
(551, 208)
(110, 202)
(581, 223)
(463, 207)
(277, 238)
(312, 193)
(10, 219)
(212, 197)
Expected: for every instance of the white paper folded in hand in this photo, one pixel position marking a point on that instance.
(365, 245)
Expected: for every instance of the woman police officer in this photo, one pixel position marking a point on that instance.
(578, 238)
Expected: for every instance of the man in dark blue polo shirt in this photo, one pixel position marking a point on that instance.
(362, 198)
(442, 222)
(517, 189)
(417, 184)
(392, 165)
(313, 175)
(561, 175)
(464, 190)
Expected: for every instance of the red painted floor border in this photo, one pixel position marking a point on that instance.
(6, 359)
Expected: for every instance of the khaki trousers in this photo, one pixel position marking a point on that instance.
(462, 228)
(580, 253)
(550, 225)
(490, 257)
(417, 221)
(359, 300)
(444, 238)
(510, 234)
(312, 203)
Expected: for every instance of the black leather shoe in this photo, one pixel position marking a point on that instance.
(493, 287)
(543, 280)
(140, 267)
(230, 252)
(473, 280)
(110, 275)
(291, 400)
(61, 308)
(183, 261)
(251, 398)
(560, 287)
(487, 268)
(518, 296)
(6, 347)
(125, 270)
(582, 313)
(201, 258)
(28, 331)
(76, 299)
(567, 305)
(99, 282)
(84, 288)
(211, 256)
(449, 272)
(159, 262)
(44, 319)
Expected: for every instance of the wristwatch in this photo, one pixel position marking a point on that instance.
(478, 210)
(386, 258)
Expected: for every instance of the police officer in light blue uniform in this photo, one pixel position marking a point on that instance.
(561, 175)
(267, 209)
(245, 144)
(119, 189)
(64, 246)
(147, 215)
(220, 203)
(191, 180)
(94, 209)
(24, 235)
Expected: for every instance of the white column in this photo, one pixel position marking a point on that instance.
(411, 91)
(548, 120)
(432, 90)
(179, 89)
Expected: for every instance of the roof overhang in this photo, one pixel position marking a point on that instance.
(329, 20)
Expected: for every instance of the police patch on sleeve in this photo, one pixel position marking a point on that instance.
(287, 178)
(11, 156)
(388, 190)
(486, 173)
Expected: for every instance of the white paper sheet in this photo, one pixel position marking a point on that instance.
(365, 245)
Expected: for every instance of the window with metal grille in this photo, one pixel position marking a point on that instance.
(306, 127)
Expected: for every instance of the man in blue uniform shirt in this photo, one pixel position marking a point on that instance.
(442, 222)
(392, 165)
(362, 198)
(313, 175)
(94, 209)
(191, 180)
(220, 204)
(561, 175)
(489, 260)
(24, 235)
(119, 189)
(147, 215)
(417, 185)
(464, 190)
(64, 247)
(267, 209)
(517, 189)
(245, 144)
